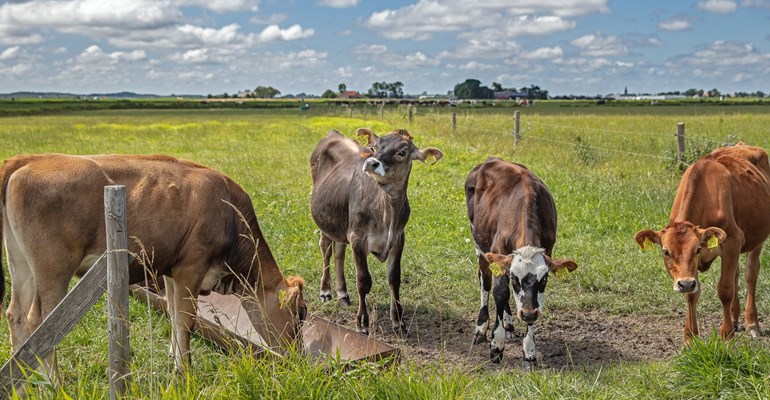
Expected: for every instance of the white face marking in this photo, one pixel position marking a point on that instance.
(528, 345)
(528, 260)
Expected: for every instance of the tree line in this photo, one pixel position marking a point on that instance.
(469, 89)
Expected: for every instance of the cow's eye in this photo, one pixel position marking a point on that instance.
(542, 283)
(402, 153)
(666, 253)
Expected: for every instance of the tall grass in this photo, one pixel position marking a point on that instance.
(616, 183)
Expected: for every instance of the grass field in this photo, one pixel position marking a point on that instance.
(611, 174)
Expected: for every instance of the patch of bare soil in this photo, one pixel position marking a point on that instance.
(565, 339)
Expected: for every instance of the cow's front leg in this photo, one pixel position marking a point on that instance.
(726, 291)
(394, 280)
(691, 323)
(485, 286)
(364, 286)
(528, 348)
(502, 295)
(752, 271)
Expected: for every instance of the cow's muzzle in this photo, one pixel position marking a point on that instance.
(529, 315)
(688, 285)
(374, 166)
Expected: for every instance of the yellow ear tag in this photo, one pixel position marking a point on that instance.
(561, 273)
(281, 298)
(713, 242)
(430, 159)
(363, 140)
(648, 245)
(496, 269)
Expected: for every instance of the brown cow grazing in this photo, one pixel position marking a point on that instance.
(197, 223)
(513, 221)
(721, 209)
(359, 197)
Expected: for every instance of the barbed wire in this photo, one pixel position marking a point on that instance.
(598, 130)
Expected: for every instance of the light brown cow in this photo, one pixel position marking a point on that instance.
(199, 226)
(721, 209)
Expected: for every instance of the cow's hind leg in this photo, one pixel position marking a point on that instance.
(502, 295)
(168, 284)
(394, 280)
(752, 271)
(45, 301)
(339, 273)
(326, 253)
(485, 286)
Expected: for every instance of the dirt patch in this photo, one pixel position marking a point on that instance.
(565, 339)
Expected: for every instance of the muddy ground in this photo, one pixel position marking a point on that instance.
(565, 339)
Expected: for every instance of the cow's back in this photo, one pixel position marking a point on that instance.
(730, 189)
(509, 207)
(334, 166)
(173, 208)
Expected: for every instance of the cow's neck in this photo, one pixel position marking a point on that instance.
(392, 200)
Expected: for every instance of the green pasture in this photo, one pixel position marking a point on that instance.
(611, 174)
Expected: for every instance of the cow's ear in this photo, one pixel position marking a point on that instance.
(646, 238)
(559, 265)
(366, 137)
(428, 154)
(499, 258)
(711, 238)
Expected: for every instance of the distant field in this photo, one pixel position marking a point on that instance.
(612, 329)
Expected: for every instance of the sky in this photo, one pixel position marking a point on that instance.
(584, 47)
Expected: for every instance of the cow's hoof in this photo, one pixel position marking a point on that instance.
(529, 365)
(401, 330)
(496, 355)
(325, 297)
(753, 331)
(344, 300)
(479, 338)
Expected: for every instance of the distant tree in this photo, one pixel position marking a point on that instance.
(472, 89)
(330, 94)
(225, 95)
(714, 93)
(209, 96)
(759, 94)
(266, 92)
(342, 87)
(496, 87)
(396, 90)
(691, 92)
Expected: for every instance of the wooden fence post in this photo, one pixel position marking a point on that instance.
(411, 111)
(454, 122)
(117, 288)
(516, 126)
(680, 142)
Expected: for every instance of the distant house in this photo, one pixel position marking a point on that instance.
(350, 94)
(509, 95)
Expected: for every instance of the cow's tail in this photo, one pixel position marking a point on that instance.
(3, 181)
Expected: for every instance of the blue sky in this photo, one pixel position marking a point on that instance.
(212, 46)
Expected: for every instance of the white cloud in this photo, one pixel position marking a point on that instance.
(426, 17)
(599, 45)
(756, 3)
(273, 19)
(194, 56)
(294, 32)
(483, 48)
(345, 72)
(475, 66)
(9, 53)
(370, 49)
(544, 53)
(418, 59)
(724, 54)
(522, 25)
(338, 3)
(718, 6)
(221, 5)
(674, 25)
(309, 58)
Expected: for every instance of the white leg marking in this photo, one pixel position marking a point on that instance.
(481, 329)
(528, 344)
(326, 293)
(498, 337)
(341, 294)
(508, 318)
(484, 297)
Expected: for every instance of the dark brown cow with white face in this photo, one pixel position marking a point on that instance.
(359, 197)
(513, 220)
(195, 222)
(721, 209)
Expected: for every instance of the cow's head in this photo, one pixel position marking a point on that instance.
(528, 269)
(389, 158)
(279, 316)
(686, 250)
